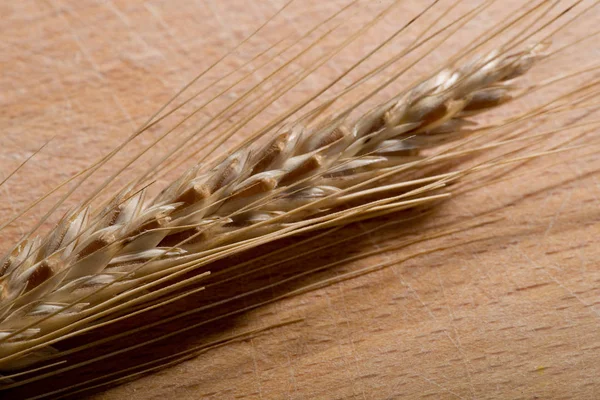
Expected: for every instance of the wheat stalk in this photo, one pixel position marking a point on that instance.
(314, 173)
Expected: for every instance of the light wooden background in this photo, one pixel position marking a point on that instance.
(515, 315)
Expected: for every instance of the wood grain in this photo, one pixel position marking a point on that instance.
(507, 310)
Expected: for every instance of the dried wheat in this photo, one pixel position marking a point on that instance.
(97, 264)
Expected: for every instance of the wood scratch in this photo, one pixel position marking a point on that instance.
(571, 293)
(458, 344)
(256, 372)
(84, 50)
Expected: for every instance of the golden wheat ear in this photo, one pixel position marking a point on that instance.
(279, 187)
(343, 161)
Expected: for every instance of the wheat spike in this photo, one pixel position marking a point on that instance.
(261, 189)
(322, 171)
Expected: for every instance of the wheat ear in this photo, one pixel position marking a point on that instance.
(301, 179)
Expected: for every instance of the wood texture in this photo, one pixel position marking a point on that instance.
(507, 310)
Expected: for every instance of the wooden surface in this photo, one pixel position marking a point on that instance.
(507, 310)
